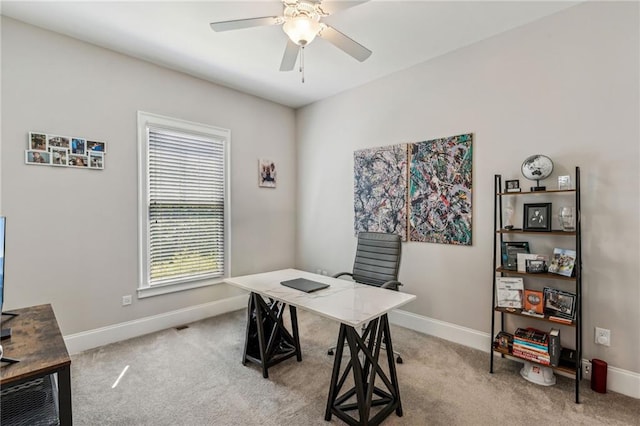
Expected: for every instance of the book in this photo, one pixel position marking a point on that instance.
(523, 344)
(560, 320)
(530, 357)
(562, 262)
(532, 335)
(509, 292)
(554, 346)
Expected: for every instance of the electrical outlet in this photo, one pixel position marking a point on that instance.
(586, 369)
(603, 336)
(126, 300)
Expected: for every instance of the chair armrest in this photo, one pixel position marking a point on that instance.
(393, 285)
(339, 274)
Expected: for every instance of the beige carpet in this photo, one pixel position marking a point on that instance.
(194, 377)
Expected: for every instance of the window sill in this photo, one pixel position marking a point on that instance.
(158, 290)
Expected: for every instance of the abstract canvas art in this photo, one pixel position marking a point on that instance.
(380, 190)
(440, 190)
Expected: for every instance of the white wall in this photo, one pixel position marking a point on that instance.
(565, 86)
(72, 234)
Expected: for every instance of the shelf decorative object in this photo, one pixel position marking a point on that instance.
(567, 219)
(537, 167)
(508, 212)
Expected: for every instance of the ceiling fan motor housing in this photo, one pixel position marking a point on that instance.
(302, 20)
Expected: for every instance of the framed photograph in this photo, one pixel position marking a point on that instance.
(267, 173)
(523, 257)
(96, 160)
(65, 151)
(97, 146)
(559, 303)
(509, 292)
(504, 342)
(564, 182)
(534, 302)
(78, 160)
(512, 185)
(537, 217)
(535, 266)
(37, 141)
(510, 250)
(37, 157)
(78, 146)
(59, 156)
(58, 141)
(562, 262)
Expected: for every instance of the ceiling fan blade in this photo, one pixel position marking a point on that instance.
(331, 7)
(290, 56)
(239, 24)
(344, 43)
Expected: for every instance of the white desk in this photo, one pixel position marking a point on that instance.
(268, 342)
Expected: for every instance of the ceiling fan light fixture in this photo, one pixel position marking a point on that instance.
(301, 29)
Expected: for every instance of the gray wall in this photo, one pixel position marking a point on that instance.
(72, 234)
(565, 86)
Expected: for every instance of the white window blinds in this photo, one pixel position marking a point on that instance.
(186, 206)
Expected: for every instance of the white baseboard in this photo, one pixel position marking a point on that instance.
(618, 380)
(114, 333)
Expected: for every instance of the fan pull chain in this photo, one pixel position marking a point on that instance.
(302, 62)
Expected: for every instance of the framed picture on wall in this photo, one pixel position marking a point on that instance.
(266, 173)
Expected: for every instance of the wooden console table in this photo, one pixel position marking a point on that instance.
(36, 342)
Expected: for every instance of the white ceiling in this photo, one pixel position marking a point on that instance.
(177, 35)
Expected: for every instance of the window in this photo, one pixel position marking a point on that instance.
(183, 204)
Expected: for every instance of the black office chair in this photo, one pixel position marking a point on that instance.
(377, 263)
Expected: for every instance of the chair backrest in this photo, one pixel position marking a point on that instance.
(377, 258)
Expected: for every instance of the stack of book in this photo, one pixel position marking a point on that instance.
(532, 345)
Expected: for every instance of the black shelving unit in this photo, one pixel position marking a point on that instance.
(499, 236)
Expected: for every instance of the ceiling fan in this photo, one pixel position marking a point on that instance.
(302, 22)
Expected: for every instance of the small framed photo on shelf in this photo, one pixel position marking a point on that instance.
(533, 302)
(504, 342)
(564, 182)
(512, 185)
(523, 257)
(509, 292)
(537, 217)
(535, 266)
(510, 251)
(558, 303)
(563, 262)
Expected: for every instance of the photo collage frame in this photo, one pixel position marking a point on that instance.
(64, 151)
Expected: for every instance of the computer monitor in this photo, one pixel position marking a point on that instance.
(3, 227)
(4, 332)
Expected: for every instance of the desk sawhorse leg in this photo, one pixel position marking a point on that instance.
(364, 376)
(268, 341)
